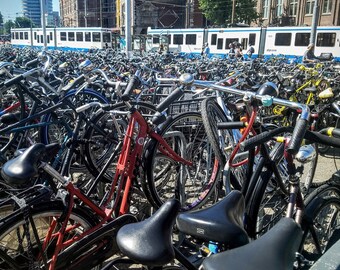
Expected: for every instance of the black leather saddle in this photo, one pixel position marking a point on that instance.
(222, 222)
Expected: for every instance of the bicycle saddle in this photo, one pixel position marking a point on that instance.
(149, 242)
(275, 250)
(21, 169)
(221, 222)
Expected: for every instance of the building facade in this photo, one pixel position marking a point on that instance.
(87, 13)
(298, 12)
(32, 10)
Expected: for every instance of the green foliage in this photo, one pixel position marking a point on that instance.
(1, 19)
(8, 25)
(220, 11)
(23, 22)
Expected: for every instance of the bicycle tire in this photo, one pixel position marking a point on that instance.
(162, 174)
(98, 147)
(321, 223)
(16, 97)
(14, 243)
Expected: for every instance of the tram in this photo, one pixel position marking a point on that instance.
(267, 41)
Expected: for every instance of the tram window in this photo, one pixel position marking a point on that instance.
(48, 39)
(178, 39)
(51, 36)
(155, 40)
(26, 35)
(252, 39)
(96, 36)
(41, 38)
(38, 39)
(190, 39)
(213, 39)
(228, 41)
(220, 43)
(79, 36)
(12, 35)
(70, 36)
(244, 43)
(302, 39)
(88, 36)
(63, 36)
(35, 35)
(16, 35)
(21, 34)
(283, 39)
(325, 39)
(106, 37)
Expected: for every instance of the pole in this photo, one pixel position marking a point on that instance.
(101, 13)
(233, 12)
(43, 21)
(128, 27)
(315, 21)
(85, 10)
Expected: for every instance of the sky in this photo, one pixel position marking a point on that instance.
(9, 8)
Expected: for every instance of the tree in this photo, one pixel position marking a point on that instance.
(23, 22)
(8, 25)
(219, 11)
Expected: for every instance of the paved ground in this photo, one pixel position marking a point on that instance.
(328, 164)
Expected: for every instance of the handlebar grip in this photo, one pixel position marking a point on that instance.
(297, 136)
(256, 140)
(31, 63)
(78, 80)
(231, 125)
(176, 94)
(133, 84)
(336, 132)
(13, 81)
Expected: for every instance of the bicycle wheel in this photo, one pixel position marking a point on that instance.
(19, 246)
(222, 141)
(321, 224)
(165, 178)
(100, 143)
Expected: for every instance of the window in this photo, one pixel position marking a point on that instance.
(178, 39)
(63, 36)
(155, 40)
(190, 39)
(244, 43)
(325, 39)
(87, 36)
(283, 39)
(327, 6)
(13, 35)
(48, 39)
(70, 36)
(213, 39)
(293, 7)
(26, 35)
(41, 38)
(302, 39)
(96, 37)
(106, 37)
(51, 36)
(16, 35)
(265, 9)
(35, 35)
(252, 39)
(228, 41)
(38, 39)
(220, 43)
(79, 36)
(21, 35)
(309, 7)
(279, 8)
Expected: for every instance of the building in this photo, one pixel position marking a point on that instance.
(298, 12)
(31, 9)
(88, 13)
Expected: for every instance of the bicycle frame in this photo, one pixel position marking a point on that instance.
(131, 151)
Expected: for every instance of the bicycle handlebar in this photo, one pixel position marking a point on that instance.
(313, 136)
(20, 77)
(133, 84)
(176, 94)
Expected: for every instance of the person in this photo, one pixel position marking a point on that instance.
(238, 51)
(309, 56)
(161, 49)
(205, 50)
(250, 51)
(231, 53)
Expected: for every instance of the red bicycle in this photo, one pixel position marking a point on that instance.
(75, 231)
